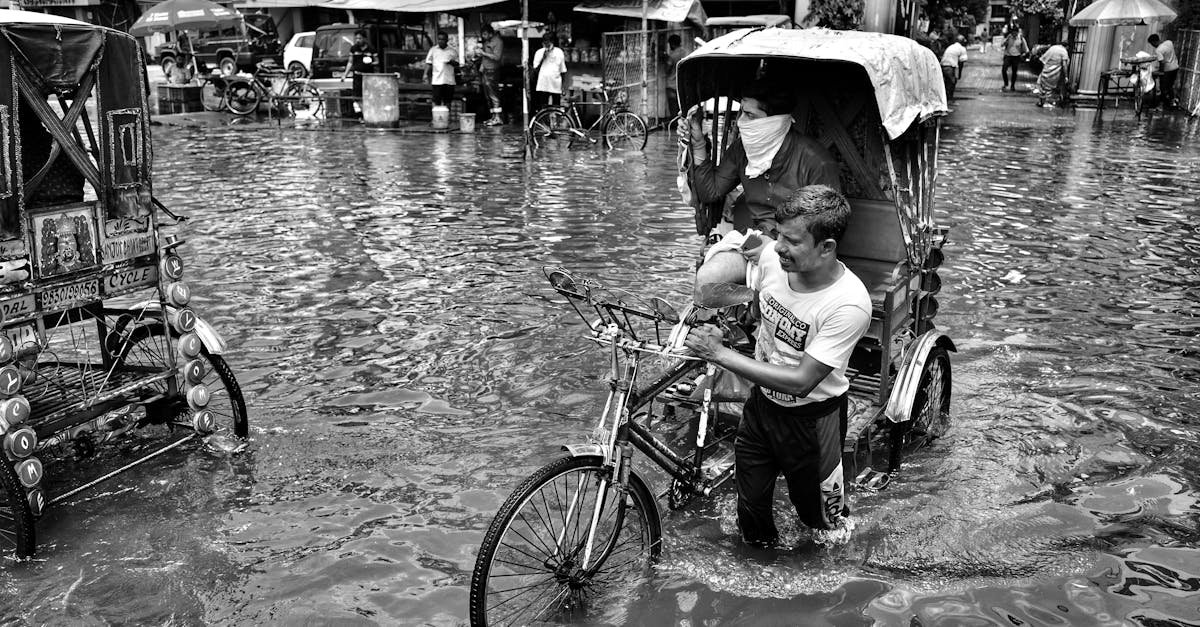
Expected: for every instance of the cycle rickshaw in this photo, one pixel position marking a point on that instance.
(576, 536)
(98, 337)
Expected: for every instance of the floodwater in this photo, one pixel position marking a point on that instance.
(405, 367)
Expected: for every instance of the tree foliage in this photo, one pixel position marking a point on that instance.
(839, 14)
(1049, 8)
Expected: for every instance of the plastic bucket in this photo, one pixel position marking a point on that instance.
(466, 122)
(380, 99)
(441, 117)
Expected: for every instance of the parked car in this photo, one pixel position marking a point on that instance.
(401, 49)
(238, 47)
(298, 53)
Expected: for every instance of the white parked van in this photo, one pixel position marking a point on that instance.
(297, 54)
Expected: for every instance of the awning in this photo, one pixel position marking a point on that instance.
(674, 11)
(276, 4)
(405, 6)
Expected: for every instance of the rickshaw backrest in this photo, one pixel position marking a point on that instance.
(873, 232)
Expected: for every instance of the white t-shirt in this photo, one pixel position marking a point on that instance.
(550, 72)
(954, 54)
(825, 325)
(439, 59)
(1166, 56)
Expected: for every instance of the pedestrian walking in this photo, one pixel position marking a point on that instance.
(489, 69)
(953, 60)
(675, 53)
(551, 64)
(362, 60)
(1168, 64)
(1015, 48)
(440, 64)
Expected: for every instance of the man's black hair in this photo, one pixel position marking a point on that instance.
(673, 40)
(360, 32)
(825, 210)
(1154, 39)
(775, 98)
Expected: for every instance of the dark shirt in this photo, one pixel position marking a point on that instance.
(800, 161)
(359, 55)
(493, 46)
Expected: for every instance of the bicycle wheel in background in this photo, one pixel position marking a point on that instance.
(530, 566)
(243, 98)
(625, 131)
(212, 96)
(1139, 97)
(551, 123)
(305, 100)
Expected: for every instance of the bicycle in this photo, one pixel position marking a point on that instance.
(619, 127)
(577, 529)
(1138, 74)
(282, 90)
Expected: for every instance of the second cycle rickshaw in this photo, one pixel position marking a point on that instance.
(576, 538)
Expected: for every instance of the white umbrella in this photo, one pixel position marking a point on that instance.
(1123, 13)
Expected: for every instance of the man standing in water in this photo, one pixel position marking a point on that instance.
(489, 66)
(440, 64)
(814, 311)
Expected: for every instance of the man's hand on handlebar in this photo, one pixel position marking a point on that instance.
(705, 340)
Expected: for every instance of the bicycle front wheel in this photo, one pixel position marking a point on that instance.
(305, 100)
(551, 123)
(542, 560)
(625, 131)
(242, 98)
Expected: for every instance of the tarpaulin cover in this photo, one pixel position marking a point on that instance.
(673, 11)
(124, 128)
(407, 6)
(906, 76)
(58, 55)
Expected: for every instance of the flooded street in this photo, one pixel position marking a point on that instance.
(405, 366)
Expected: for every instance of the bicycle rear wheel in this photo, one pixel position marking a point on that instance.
(625, 131)
(242, 97)
(305, 100)
(551, 123)
(531, 568)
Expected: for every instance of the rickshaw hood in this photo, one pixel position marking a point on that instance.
(906, 76)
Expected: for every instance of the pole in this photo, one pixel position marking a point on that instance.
(462, 46)
(645, 56)
(525, 70)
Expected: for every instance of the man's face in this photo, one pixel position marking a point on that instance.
(752, 109)
(796, 248)
(547, 44)
(443, 40)
(360, 40)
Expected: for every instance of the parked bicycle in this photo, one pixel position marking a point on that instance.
(619, 127)
(1141, 73)
(281, 89)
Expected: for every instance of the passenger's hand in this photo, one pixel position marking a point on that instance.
(754, 246)
(705, 341)
(691, 131)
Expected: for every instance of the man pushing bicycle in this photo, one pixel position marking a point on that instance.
(813, 312)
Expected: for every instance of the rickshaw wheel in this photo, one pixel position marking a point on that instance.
(930, 415)
(16, 519)
(625, 131)
(242, 98)
(148, 345)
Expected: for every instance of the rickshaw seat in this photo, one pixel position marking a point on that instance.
(873, 248)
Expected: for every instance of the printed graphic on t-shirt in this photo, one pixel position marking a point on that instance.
(788, 328)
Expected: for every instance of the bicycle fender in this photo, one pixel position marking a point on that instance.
(899, 404)
(584, 450)
(207, 333)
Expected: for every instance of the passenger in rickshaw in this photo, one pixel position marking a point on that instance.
(814, 310)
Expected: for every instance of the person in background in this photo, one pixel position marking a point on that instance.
(1168, 64)
(440, 64)
(1054, 71)
(953, 60)
(550, 64)
(489, 68)
(675, 53)
(1014, 48)
(182, 71)
(362, 60)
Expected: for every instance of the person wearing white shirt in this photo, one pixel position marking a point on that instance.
(551, 64)
(953, 60)
(440, 64)
(1168, 64)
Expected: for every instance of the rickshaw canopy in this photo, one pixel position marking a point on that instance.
(906, 77)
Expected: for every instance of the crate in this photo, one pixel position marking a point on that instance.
(179, 99)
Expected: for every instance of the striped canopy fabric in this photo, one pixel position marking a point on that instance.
(1123, 12)
(174, 15)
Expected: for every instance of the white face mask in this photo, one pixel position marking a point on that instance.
(762, 138)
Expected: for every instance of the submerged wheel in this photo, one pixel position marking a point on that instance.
(167, 64)
(549, 123)
(530, 567)
(930, 414)
(305, 100)
(625, 131)
(242, 97)
(148, 346)
(297, 70)
(16, 519)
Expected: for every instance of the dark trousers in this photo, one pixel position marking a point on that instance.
(543, 99)
(1167, 86)
(442, 95)
(1014, 62)
(803, 443)
(672, 102)
(950, 78)
(491, 89)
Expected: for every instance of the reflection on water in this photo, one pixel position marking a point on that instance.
(406, 366)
